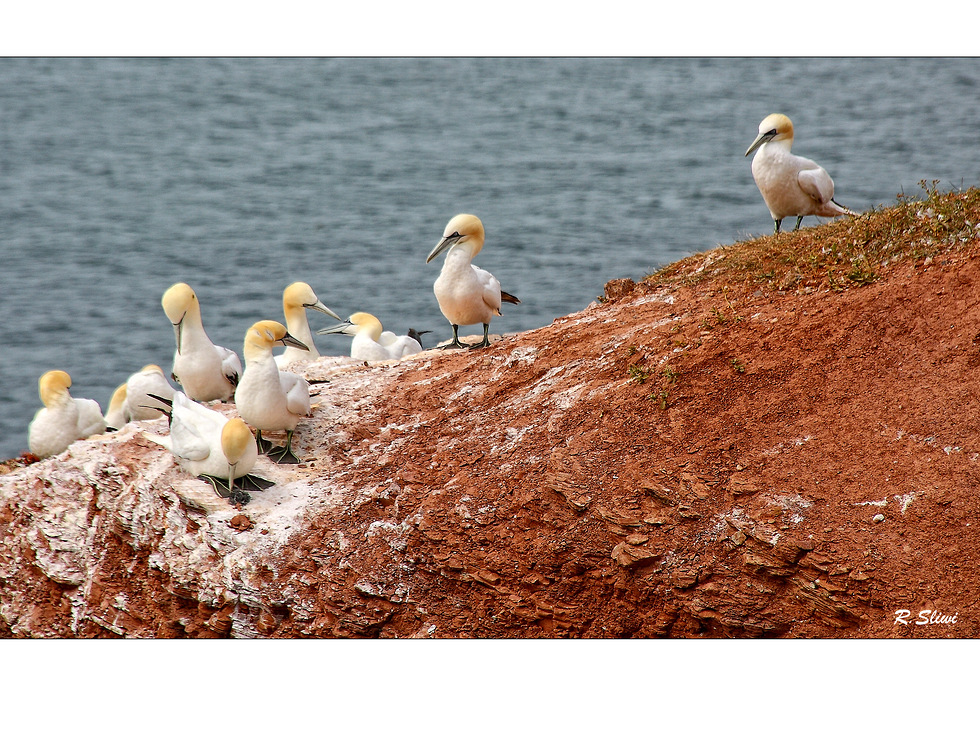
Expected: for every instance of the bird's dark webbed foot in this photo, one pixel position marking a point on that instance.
(263, 445)
(254, 482)
(485, 343)
(454, 343)
(284, 455)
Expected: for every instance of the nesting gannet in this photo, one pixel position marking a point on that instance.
(150, 380)
(115, 414)
(791, 185)
(466, 294)
(63, 419)
(296, 299)
(267, 398)
(204, 370)
(370, 342)
(210, 446)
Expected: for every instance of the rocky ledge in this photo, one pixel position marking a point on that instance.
(777, 438)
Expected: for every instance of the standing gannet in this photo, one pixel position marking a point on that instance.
(63, 419)
(204, 370)
(267, 398)
(370, 342)
(210, 446)
(296, 299)
(791, 185)
(466, 294)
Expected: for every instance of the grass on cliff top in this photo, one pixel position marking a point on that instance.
(843, 253)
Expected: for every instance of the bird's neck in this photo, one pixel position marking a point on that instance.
(257, 354)
(299, 326)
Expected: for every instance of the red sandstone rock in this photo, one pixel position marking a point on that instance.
(612, 474)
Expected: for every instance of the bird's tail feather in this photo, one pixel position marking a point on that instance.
(509, 298)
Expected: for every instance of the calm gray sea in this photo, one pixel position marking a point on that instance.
(119, 178)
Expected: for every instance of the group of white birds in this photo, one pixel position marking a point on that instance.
(268, 397)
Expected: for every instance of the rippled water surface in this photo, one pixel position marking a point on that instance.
(238, 176)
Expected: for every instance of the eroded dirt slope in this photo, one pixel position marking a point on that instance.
(700, 455)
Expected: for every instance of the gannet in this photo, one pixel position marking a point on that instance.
(204, 370)
(150, 380)
(210, 446)
(115, 414)
(296, 299)
(791, 185)
(267, 398)
(466, 294)
(370, 342)
(63, 419)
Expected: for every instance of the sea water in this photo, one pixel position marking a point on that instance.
(120, 177)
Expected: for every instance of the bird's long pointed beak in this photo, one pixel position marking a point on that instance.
(177, 329)
(289, 340)
(763, 137)
(448, 242)
(320, 307)
(344, 328)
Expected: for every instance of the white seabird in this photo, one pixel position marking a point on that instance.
(115, 414)
(467, 295)
(269, 399)
(210, 446)
(296, 299)
(371, 342)
(63, 419)
(204, 370)
(791, 185)
(133, 400)
(150, 380)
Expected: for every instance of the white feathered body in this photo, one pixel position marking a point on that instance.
(195, 441)
(56, 426)
(792, 185)
(269, 399)
(467, 294)
(139, 406)
(204, 370)
(399, 346)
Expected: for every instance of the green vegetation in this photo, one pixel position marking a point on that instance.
(840, 254)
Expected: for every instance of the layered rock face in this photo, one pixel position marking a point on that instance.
(698, 458)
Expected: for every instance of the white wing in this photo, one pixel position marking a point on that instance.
(403, 345)
(816, 183)
(90, 420)
(297, 391)
(491, 289)
(231, 365)
(186, 440)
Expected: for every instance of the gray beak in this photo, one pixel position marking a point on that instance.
(289, 340)
(344, 328)
(764, 137)
(321, 308)
(448, 242)
(177, 330)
